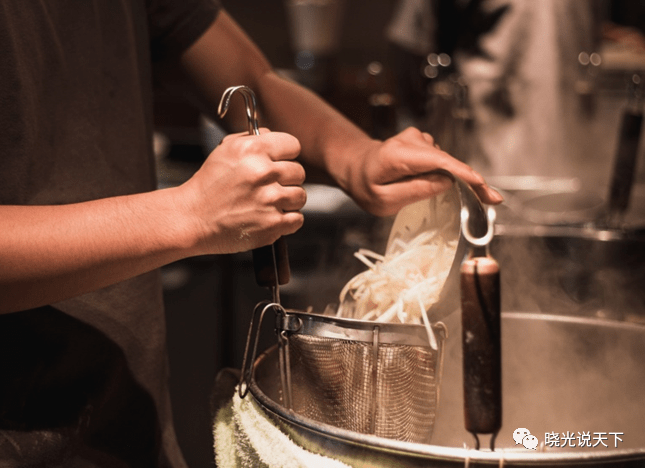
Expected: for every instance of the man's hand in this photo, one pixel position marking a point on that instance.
(388, 175)
(248, 192)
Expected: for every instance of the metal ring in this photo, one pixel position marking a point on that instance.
(488, 237)
(254, 337)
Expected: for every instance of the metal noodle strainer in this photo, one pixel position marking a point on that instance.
(368, 377)
(365, 376)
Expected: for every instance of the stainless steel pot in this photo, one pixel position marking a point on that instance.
(572, 270)
(561, 374)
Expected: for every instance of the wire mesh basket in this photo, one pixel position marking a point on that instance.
(377, 378)
(367, 377)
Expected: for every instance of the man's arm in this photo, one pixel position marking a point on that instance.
(381, 176)
(245, 195)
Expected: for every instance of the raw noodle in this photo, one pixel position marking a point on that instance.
(401, 285)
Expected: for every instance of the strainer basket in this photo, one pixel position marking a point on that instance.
(372, 378)
(364, 376)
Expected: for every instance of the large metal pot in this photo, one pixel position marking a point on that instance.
(560, 375)
(572, 270)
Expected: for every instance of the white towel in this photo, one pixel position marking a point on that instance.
(245, 437)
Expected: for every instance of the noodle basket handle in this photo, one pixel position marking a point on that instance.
(271, 262)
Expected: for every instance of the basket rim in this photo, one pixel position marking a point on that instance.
(327, 326)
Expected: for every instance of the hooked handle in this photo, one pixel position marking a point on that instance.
(271, 262)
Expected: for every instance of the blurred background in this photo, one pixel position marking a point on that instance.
(543, 97)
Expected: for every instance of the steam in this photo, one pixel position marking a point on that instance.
(559, 374)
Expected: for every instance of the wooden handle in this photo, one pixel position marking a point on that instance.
(269, 259)
(482, 367)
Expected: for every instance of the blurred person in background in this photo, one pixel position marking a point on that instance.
(83, 230)
(529, 68)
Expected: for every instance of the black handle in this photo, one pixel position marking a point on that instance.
(481, 335)
(625, 162)
(271, 260)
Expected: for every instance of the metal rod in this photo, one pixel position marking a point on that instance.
(248, 361)
(375, 346)
(287, 369)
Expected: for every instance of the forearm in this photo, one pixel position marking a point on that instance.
(380, 176)
(246, 194)
(329, 140)
(51, 253)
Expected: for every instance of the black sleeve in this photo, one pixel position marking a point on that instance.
(175, 24)
(628, 13)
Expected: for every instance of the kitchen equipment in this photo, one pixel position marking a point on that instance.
(367, 377)
(629, 136)
(445, 211)
(481, 337)
(547, 200)
(364, 376)
(271, 262)
(560, 374)
(572, 270)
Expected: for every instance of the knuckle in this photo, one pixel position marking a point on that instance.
(272, 195)
(293, 222)
(429, 138)
(296, 144)
(393, 146)
(249, 145)
(296, 198)
(255, 170)
(412, 132)
(259, 169)
(289, 144)
(232, 137)
(303, 197)
(297, 174)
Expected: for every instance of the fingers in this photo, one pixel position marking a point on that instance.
(280, 146)
(470, 176)
(431, 159)
(402, 193)
(248, 192)
(291, 222)
(290, 199)
(488, 195)
(290, 173)
(485, 193)
(277, 145)
(267, 157)
(429, 139)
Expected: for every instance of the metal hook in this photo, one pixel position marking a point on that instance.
(250, 104)
(252, 339)
(482, 241)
